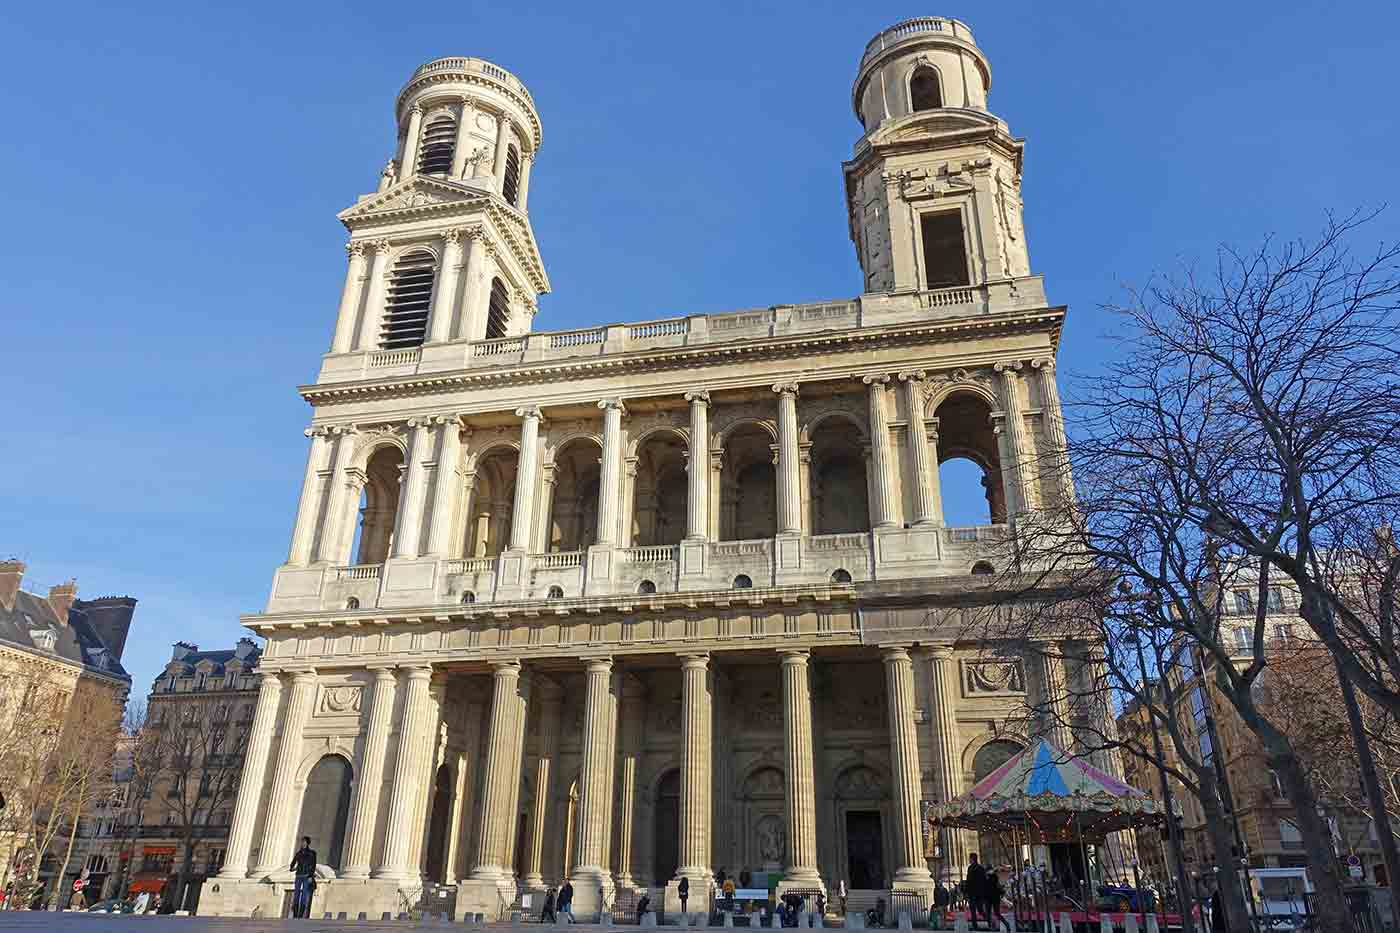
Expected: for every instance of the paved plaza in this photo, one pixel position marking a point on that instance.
(108, 923)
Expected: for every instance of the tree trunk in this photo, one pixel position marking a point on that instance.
(1329, 904)
(72, 837)
(1223, 842)
(1379, 815)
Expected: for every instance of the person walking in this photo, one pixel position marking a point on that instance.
(841, 895)
(683, 892)
(304, 866)
(547, 911)
(992, 905)
(564, 906)
(643, 906)
(975, 888)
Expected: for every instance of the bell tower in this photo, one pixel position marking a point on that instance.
(443, 250)
(933, 191)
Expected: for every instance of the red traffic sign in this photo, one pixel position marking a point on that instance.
(79, 885)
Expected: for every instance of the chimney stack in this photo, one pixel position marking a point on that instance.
(11, 573)
(61, 599)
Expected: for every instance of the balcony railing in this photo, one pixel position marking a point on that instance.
(359, 572)
(562, 560)
(470, 565)
(472, 66)
(652, 554)
(903, 30)
(749, 548)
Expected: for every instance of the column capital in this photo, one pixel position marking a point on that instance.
(913, 375)
(356, 249)
(609, 404)
(529, 412)
(381, 245)
(873, 379)
(416, 108)
(417, 671)
(698, 396)
(452, 237)
(1043, 363)
(600, 665)
(505, 668)
(940, 652)
(1007, 367)
(381, 671)
(300, 675)
(318, 430)
(794, 656)
(785, 389)
(697, 661)
(895, 652)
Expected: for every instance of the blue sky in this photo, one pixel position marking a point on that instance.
(173, 261)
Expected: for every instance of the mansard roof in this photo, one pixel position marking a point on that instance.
(26, 624)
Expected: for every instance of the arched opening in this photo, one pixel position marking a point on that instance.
(659, 504)
(925, 93)
(573, 514)
(860, 793)
(439, 145)
(497, 310)
(439, 818)
(324, 808)
(510, 184)
(839, 490)
(743, 582)
(748, 486)
(983, 568)
(840, 576)
(352, 603)
(990, 846)
(379, 505)
(468, 598)
(493, 501)
(969, 465)
(945, 249)
(646, 588)
(666, 823)
(556, 592)
(408, 302)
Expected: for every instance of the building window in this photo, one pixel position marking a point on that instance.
(468, 598)
(510, 184)
(410, 299)
(983, 567)
(498, 311)
(1284, 631)
(646, 587)
(924, 90)
(1244, 602)
(439, 145)
(945, 252)
(1244, 641)
(1275, 599)
(556, 592)
(742, 582)
(352, 603)
(840, 576)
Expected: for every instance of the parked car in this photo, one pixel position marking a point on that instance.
(113, 906)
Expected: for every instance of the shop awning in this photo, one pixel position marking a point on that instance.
(148, 885)
(158, 850)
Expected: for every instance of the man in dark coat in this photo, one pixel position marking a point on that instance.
(975, 887)
(547, 914)
(683, 891)
(304, 866)
(564, 906)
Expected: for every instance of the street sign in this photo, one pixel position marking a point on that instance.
(1354, 861)
(1355, 870)
(78, 885)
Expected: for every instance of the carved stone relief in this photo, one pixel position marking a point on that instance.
(860, 783)
(1000, 676)
(341, 700)
(770, 840)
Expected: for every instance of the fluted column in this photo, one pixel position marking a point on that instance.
(904, 759)
(594, 793)
(447, 486)
(502, 775)
(789, 475)
(698, 466)
(412, 754)
(367, 334)
(471, 323)
(632, 715)
(610, 480)
(332, 545)
(551, 711)
(1021, 489)
(445, 288)
(882, 509)
(525, 477)
(466, 115)
(800, 769)
(943, 735)
(1053, 417)
(412, 139)
(409, 527)
(1053, 703)
(695, 773)
(349, 299)
(369, 778)
(928, 507)
(276, 848)
(468, 769)
(526, 160)
(502, 144)
(250, 782)
(312, 488)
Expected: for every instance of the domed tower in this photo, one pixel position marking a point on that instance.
(443, 250)
(933, 191)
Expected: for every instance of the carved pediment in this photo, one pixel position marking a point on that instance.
(416, 194)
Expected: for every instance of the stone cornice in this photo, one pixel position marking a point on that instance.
(1051, 319)
(55, 664)
(457, 76)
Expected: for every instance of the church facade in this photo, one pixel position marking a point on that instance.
(643, 601)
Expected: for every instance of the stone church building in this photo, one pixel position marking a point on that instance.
(647, 600)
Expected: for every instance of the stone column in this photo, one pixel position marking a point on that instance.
(882, 507)
(698, 466)
(408, 530)
(594, 792)
(910, 867)
(447, 486)
(369, 778)
(551, 712)
(525, 162)
(350, 299)
(943, 736)
(800, 769)
(471, 323)
(411, 142)
(312, 489)
(367, 336)
(927, 507)
(1052, 704)
(789, 482)
(501, 775)
(610, 480)
(502, 144)
(434, 736)
(405, 795)
(466, 113)
(340, 508)
(632, 715)
(695, 775)
(250, 782)
(445, 288)
(277, 829)
(1020, 491)
(525, 477)
(517, 752)
(1054, 418)
(469, 769)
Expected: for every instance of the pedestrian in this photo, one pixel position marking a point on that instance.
(642, 906)
(975, 888)
(683, 892)
(841, 895)
(304, 866)
(992, 905)
(821, 904)
(564, 906)
(1217, 912)
(547, 911)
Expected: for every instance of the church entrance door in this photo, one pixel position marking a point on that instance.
(667, 827)
(865, 846)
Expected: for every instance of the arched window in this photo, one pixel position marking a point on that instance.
(488, 529)
(838, 492)
(410, 297)
(468, 598)
(969, 464)
(748, 486)
(510, 184)
(840, 575)
(556, 592)
(352, 603)
(660, 493)
(983, 567)
(924, 91)
(379, 503)
(742, 582)
(439, 145)
(646, 588)
(573, 513)
(498, 311)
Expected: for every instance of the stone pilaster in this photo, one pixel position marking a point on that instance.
(276, 851)
(369, 777)
(471, 323)
(434, 740)
(882, 505)
(610, 479)
(928, 505)
(466, 116)
(551, 712)
(346, 317)
(910, 868)
(250, 783)
(447, 487)
(412, 139)
(1020, 490)
(695, 775)
(526, 477)
(1053, 416)
(367, 334)
(313, 488)
(333, 544)
(1052, 703)
(502, 145)
(633, 715)
(445, 288)
(944, 741)
(523, 195)
(409, 527)
(410, 759)
(502, 776)
(789, 475)
(698, 468)
(590, 874)
(522, 716)
(800, 770)
(469, 765)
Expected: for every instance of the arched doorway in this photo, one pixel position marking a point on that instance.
(992, 850)
(438, 819)
(861, 796)
(666, 852)
(325, 806)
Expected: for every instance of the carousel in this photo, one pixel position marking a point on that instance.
(1045, 801)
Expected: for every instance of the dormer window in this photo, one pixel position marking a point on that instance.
(439, 146)
(44, 638)
(410, 298)
(924, 90)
